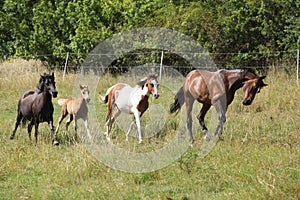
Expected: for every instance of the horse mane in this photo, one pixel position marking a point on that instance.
(142, 82)
(250, 70)
(40, 87)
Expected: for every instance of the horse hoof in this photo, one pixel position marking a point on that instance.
(140, 141)
(221, 138)
(11, 137)
(56, 143)
(191, 142)
(207, 138)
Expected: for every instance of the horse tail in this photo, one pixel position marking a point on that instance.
(61, 101)
(179, 101)
(105, 99)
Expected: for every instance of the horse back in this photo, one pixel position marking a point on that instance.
(196, 84)
(28, 93)
(76, 106)
(120, 95)
(120, 91)
(25, 103)
(205, 86)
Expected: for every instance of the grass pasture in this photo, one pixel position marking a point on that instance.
(258, 158)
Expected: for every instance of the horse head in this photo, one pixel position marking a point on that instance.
(152, 85)
(252, 86)
(85, 93)
(49, 84)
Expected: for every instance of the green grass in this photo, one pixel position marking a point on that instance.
(258, 158)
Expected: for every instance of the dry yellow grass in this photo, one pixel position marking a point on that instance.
(258, 157)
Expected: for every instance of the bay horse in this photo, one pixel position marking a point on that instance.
(77, 108)
(215, 89)
(131, 100)
(36, 107)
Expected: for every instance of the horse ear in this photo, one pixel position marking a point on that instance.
(262, 77)
(81, 87)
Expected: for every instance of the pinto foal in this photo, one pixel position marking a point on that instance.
(77, 108)
(130, 100)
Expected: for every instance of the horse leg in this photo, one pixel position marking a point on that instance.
(19, 118)
(110, 122)
(87, 127)
(75, 126)
(36, 127)
(138, 124)
(54, 141)
(189, 101)
(201, 116)
(221, 109)
(109, 119)
(29, 128)
(62, 117)
(129, 130)
(69, 121)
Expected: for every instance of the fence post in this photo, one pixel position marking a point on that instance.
(65, 67)
(297, 71)
(161, 64)
(297, 61)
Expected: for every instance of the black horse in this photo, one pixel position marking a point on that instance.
(36, 107)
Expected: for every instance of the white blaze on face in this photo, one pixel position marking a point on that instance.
(154, 84)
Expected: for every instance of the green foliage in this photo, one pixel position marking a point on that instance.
(47, 30)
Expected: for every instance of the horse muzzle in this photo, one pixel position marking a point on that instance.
(54, 94)
(247, 102)
(156, 95)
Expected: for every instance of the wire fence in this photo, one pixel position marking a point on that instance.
(288, 60)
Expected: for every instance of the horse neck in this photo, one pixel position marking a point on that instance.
(235, 80)
(46, 93)
(144, 91)
(44, 97)
(80, 100)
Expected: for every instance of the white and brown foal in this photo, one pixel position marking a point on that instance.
(131, 100)
(77, 108)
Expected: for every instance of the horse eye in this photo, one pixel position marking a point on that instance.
(152, 85)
